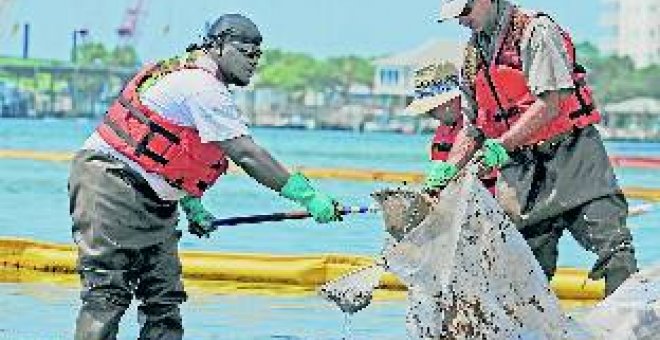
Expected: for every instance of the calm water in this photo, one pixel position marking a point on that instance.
(33, 203)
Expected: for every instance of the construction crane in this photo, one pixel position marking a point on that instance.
(127, 31)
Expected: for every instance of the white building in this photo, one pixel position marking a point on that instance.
(394, 73)
(634, 27)
(633, 118)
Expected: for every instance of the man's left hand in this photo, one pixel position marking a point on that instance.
(494, 155)
(200, 220)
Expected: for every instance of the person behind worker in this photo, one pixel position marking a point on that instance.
(533, 119)
(437, 95)
(166, 138)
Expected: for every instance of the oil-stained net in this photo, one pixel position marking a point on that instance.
(353, 291)
(631, 312)
(469, 272)
(471, 275)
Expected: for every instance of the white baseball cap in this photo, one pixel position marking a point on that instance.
(450, 9)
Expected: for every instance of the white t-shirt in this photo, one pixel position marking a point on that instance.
(189, 97)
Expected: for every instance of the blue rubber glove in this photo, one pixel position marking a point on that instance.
(322, 207)
(439, 174)
(200, 220)
(494, 154)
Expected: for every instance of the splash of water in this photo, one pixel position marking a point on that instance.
(348, 327)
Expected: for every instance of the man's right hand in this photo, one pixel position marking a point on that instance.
(439, 174)
(200, 220)
(322, 207)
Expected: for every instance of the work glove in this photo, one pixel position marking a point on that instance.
(200, 220)
(322, 207)
(493, 154)
(439, 174)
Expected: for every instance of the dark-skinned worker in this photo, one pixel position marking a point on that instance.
(437, 95)
(164, 141)
(531, 115)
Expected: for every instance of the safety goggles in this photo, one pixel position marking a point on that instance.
(249, 50)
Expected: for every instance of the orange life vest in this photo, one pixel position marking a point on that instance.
(158, 145)
(444, 138)
(502, 92)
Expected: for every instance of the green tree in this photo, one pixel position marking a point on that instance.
(350, 70)
(296, 73)
(96, 53)
(91, 53)
(292, 72)
(615, 78)
(124, 56)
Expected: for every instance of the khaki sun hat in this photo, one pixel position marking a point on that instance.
(435, 85)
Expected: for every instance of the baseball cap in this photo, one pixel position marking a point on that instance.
(450, 9)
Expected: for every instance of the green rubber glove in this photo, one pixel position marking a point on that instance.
(494, 154)
(439, 174)
(322, 207)
(200, 220)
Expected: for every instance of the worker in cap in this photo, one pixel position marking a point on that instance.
(164, 142)
(533, 119)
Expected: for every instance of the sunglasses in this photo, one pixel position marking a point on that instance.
(250, 50)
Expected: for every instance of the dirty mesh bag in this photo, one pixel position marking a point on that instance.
(469, 273)
(631, 312)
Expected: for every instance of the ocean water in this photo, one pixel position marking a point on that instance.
(34, 204)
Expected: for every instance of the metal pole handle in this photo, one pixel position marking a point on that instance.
(284, 216)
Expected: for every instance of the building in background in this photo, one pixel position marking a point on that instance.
(633, 30)
(637, 118)
(394, 87)
(394, 73)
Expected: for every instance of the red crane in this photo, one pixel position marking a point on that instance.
(128, 28)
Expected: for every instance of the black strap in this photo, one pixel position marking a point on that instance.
(153, 126)
(582, 111)
(442, 146)
(502, 113)
(119, 131)
(142, 149)
(141, 146)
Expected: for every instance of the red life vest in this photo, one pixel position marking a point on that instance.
(503, 95)
(158, 145)
(444, 138)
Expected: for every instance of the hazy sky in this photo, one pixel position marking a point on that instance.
(319, 27)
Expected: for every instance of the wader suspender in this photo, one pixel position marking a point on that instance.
(141, 146)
